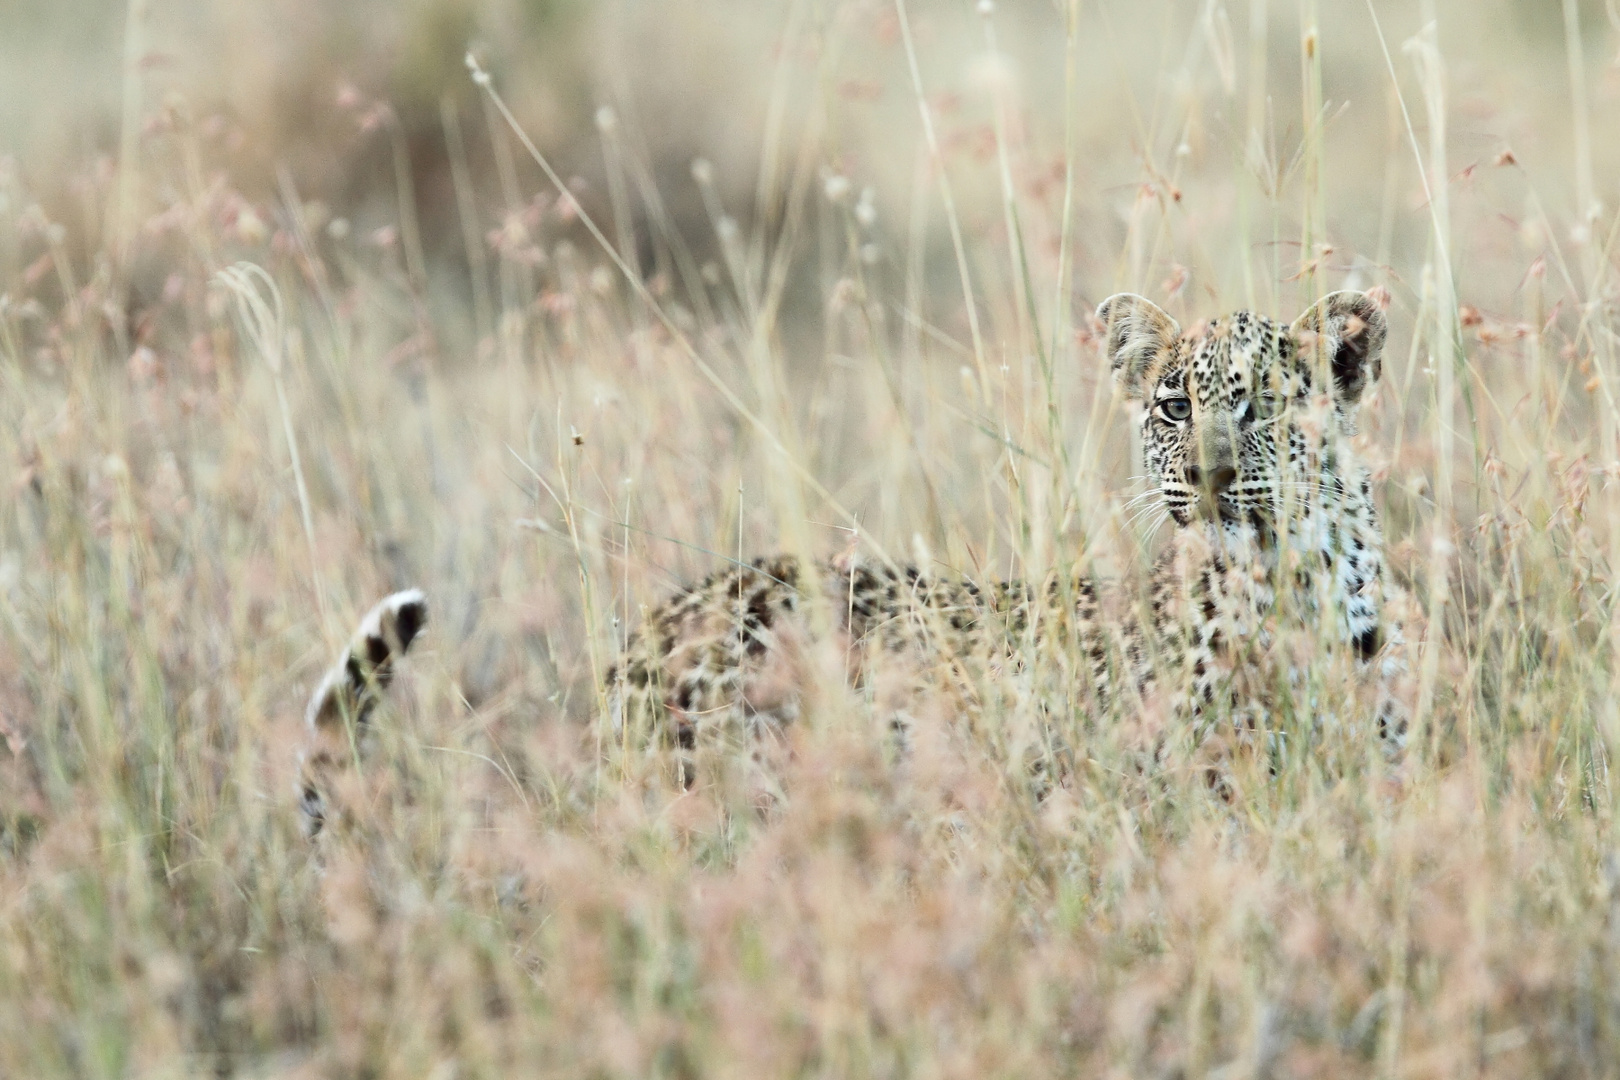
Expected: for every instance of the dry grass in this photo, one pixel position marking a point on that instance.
(462, 390)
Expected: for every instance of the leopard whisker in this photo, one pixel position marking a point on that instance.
(1136, 499)
(1146, 514)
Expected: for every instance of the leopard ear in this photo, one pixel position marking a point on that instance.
(1136, 333)
(1349, 329)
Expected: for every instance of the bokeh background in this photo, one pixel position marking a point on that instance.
(812, 274)
(1184, 88)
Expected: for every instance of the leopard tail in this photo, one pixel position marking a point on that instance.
(349, 692)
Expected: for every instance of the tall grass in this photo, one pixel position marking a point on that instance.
(587, 396)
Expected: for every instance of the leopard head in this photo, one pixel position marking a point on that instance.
(1244, 419)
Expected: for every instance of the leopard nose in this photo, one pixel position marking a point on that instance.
(1215, 480)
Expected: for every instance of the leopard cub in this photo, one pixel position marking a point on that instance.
(1246, 428)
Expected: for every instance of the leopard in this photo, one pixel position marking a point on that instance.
(1247, 428)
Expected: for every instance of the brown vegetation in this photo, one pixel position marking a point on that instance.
(840, 302)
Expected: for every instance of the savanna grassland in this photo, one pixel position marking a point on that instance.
(294, 312)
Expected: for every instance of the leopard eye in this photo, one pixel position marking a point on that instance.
(1176, 409)
(1266, 406)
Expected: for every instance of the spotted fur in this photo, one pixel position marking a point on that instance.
(1245, 426)
(731, 651)
(340, 710)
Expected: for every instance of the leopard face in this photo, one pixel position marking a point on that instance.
(1242, 421)
(1245, 426)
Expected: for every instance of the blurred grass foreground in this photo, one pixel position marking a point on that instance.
(839, 298)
